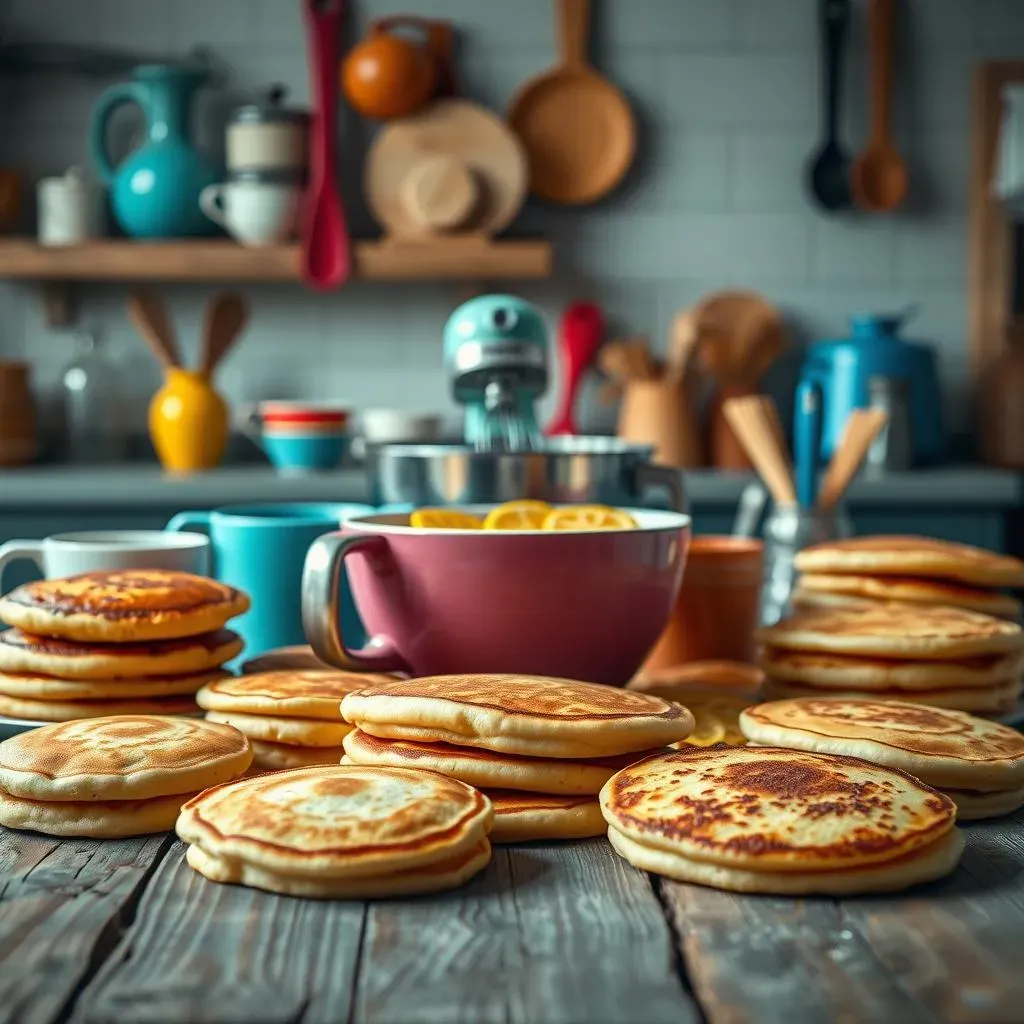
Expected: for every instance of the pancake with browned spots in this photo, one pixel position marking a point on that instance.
(909, 555)
(23, 686)
(530, 715)
(340, 830)
(525, 817)
(125, 606)
(71, 659)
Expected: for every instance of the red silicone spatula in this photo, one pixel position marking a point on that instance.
(326, 254)
(580, 333)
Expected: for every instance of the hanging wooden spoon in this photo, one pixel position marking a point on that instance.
(878, 180)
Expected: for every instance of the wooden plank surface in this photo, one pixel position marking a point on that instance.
(555, 933)
(202, 952)
(63, 908)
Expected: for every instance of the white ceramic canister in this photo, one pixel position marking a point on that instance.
(268, 137)
(69, 209)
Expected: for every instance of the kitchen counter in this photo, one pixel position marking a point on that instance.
(144, 486)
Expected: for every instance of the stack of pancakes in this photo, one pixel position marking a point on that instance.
(924, 654)
(126, 775)
(763, 819)
(292, 717)
(131, 642)
(539, 748)
(978, 764)
(907, 569)
(339, 832)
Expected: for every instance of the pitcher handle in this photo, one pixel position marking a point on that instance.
(321, 612)
(16, 550)
(109, 101)
(648, 476)
(188, 521)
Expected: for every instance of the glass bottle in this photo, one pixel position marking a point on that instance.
(93, 406)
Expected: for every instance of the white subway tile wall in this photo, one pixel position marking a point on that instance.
(727, 98)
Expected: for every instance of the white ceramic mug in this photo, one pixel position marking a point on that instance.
(254, 212)
(68, 554)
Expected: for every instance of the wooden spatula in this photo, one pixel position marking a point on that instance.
(149, 316)
(226, 315)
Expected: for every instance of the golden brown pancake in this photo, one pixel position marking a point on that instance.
(490, 771)
(47, 688)
(942, 748)
(69, 659)
(96, 819)
(302, 693)
(338, 822)
(296, 732)
(850, 672)
(530, 715)
(900, 555)
(767, 809)
(53, 710)
(721, 677)
(126, 606)
(277, 757)
(829, 588)
(300, 657)
(925, 632)
(524, 817)
(124, 757)
(973, 804)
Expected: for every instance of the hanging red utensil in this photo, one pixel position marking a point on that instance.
(326, 252)
(580, 333)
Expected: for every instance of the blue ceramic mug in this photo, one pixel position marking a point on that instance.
(261, 549)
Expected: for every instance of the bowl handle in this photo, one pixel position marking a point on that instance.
(647, 477)
(321, 612)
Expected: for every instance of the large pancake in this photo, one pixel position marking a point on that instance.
(911, 632)
(850, 672)
(982, 700)
(900, 555)
(124, 757)
(47, 688)
(69, 659)
(126, 606)
(304, 693)
(941, 747)
(296, 732)
(973, 805)
(438, 877)
(52, 710)
(530, 715)
(924, 865)
(97, 819)
(767, 809)
(278, 757)
(300, 656)
(828, 588)
(338, 822)
(488, 770)
(524, 817)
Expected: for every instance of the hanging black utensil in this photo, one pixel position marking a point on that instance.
(828, 171)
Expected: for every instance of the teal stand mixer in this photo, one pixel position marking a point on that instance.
(496, 355)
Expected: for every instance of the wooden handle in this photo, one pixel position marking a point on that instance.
(149, 316)
(860, 431)
(880, 42)
(226, 315)
(573, 25)
(754, 427)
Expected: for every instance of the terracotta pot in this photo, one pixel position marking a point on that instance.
(19, 443)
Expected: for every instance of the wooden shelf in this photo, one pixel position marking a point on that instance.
(224, 261)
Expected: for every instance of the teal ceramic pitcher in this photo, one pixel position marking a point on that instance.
(154, 193)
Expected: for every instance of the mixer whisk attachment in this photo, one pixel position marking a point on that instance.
(503, 427)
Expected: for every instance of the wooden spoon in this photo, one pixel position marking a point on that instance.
(879, 177)
(149, 316)
(225, 317)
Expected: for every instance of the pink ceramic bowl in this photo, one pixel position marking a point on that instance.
(575, 604)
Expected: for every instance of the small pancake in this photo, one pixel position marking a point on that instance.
(300, 657)
(46, 688)
(276, 757)
(530, 715)
(924, 865)
(124, 757)
(338, 822)
(439, 877)
(733, 678)
(487, 770)
(907, 589)
(850, 672)
(941, 747)
(304, 693)
(989, 700)
(972, 805)
(911, 632)
(67, 659)
(295, 732)
(70, 710)
(523, 817)
(125, 606)
(97, 819)
(899, 555)
(768, 809)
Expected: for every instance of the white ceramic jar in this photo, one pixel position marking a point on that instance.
(69, 209)
(268, 137)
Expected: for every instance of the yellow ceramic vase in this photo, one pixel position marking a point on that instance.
(188, 422)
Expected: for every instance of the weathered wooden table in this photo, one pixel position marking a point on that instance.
(124, 931)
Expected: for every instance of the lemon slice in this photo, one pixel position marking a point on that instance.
(710, 729)
(588, 517)
(444, 519)
(525, 514)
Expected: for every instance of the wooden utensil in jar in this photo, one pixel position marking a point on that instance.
(19, 441)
